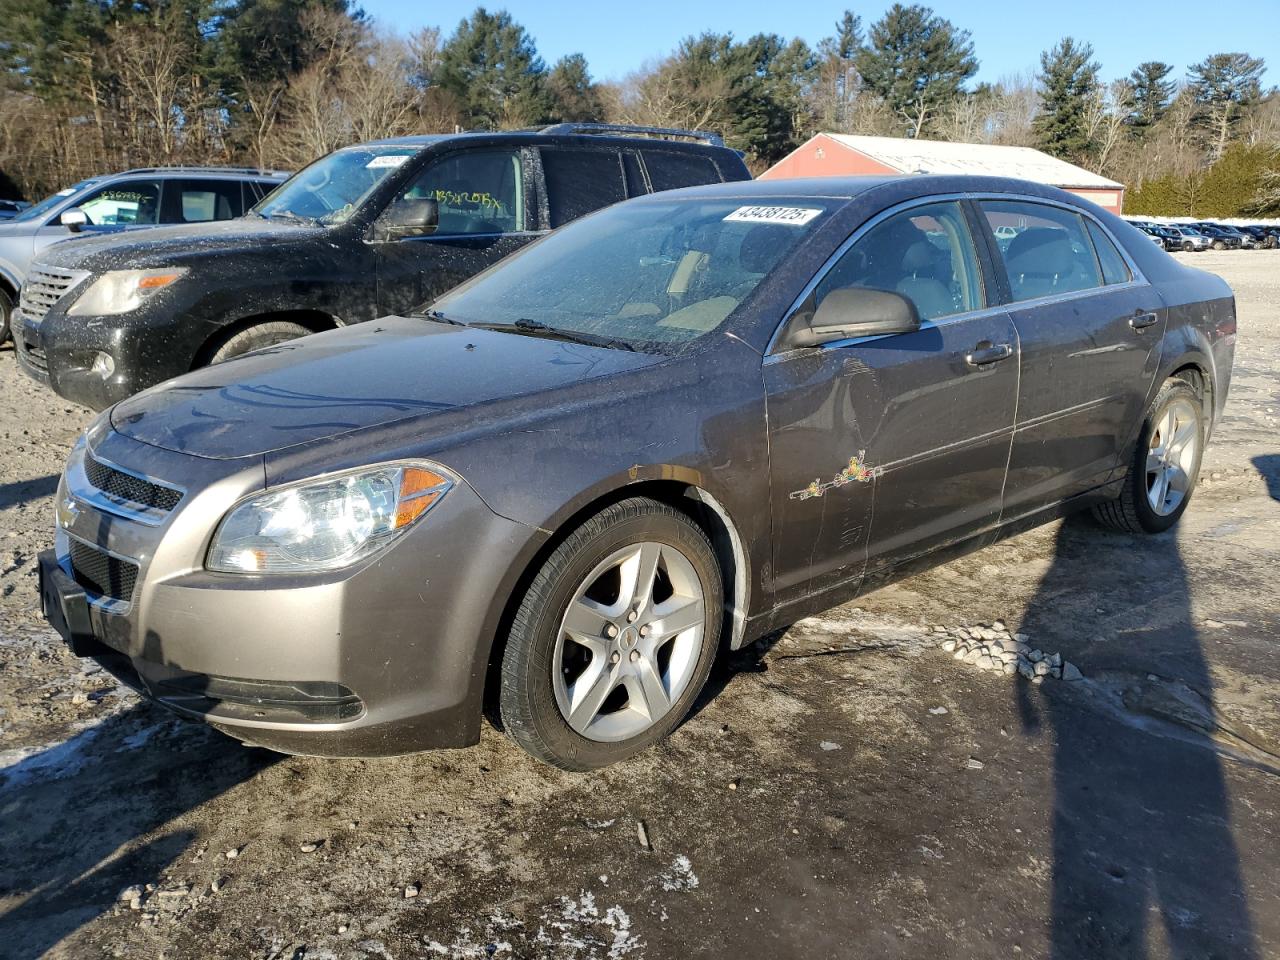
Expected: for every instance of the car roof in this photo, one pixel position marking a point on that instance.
(422, 141)
(902, 186)
(204, 173)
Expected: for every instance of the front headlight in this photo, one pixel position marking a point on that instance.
(327, 523)
(119, 291)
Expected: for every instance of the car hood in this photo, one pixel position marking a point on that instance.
(340, 381)
(166, 246)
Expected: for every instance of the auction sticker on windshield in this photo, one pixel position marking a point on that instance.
(387, 160)
(791, 216)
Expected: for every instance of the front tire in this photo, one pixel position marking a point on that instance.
(1166, 464)
(6, 311)
(614, 638)
(257, 337)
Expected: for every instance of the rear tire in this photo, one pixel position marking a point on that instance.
(614, 638)
(1165, 466)
(257, 337)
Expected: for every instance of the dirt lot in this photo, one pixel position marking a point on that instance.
(847, 790)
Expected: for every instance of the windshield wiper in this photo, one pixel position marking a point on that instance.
(439, 317)
(539, 329)
(290, 216)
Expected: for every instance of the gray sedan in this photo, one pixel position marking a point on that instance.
(665, 430)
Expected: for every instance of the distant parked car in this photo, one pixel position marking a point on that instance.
(1219, 238)
(1191, 239)
(369, 230)
(1262, 237)
(133, 200)
(667, 429)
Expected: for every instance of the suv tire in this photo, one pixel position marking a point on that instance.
(626, 616)
(6, 312)
(1177, 407)
(256, 337)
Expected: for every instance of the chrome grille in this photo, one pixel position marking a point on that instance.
(44, 286)
(102, 573)
(125, 486)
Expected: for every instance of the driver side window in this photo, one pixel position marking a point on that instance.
(123, 204)
(479, 192)
(925, 253)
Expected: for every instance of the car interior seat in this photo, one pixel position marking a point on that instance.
(1040, 262)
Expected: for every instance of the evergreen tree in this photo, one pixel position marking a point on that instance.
(917, 62)
(492, 67)
(573, 96)
(1068, 81)
(1223, 85)
(1152, 91)
(835, 87)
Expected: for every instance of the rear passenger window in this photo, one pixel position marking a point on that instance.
(199, 201)
(925, 253)
(1114, 269)
(1045, 249)
(668, 171)
(580, 181)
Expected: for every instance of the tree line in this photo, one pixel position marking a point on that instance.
(91, 86)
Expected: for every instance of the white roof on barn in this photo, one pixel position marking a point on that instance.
(941, 156)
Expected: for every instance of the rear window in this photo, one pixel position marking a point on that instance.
(1114, 269)
(1045, 249)
(199, 201)
(668, 171)
(580, 181)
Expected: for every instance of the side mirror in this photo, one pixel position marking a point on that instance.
(74, 219)
(850, 312)
(407, 218)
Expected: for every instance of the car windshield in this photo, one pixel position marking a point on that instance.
(649, 275)
(51, 201)
(330, 190)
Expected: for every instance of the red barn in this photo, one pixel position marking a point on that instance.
(843, 155)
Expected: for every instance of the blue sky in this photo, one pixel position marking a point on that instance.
(617, 36)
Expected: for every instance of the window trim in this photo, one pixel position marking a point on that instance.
(1136, 276)
(991, 262)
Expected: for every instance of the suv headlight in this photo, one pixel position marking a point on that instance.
(119, 291)
(327, 523)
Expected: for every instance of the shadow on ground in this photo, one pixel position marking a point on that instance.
(89, 824)
(1144, 858)
(24, 491)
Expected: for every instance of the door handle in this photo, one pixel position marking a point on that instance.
(1140, 321)
(985, 353)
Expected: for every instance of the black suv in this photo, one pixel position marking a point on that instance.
(366, 231)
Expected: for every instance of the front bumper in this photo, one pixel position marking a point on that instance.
(383, 658)
(60, 351)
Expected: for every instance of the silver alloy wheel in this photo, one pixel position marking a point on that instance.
(1172, 455)
(629, 642)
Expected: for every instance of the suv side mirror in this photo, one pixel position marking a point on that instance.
(74, 219)
(407, 218)
(850, 312)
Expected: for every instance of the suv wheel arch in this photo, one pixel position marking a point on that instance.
(314, 320)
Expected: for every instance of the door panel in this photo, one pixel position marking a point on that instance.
(1089, 353)
(884, 448)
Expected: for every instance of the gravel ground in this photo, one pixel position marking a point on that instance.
(850, 788)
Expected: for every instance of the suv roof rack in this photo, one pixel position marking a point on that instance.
(706, 136)
(182, 168)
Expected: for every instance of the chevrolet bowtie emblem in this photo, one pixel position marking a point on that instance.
(67, 513)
